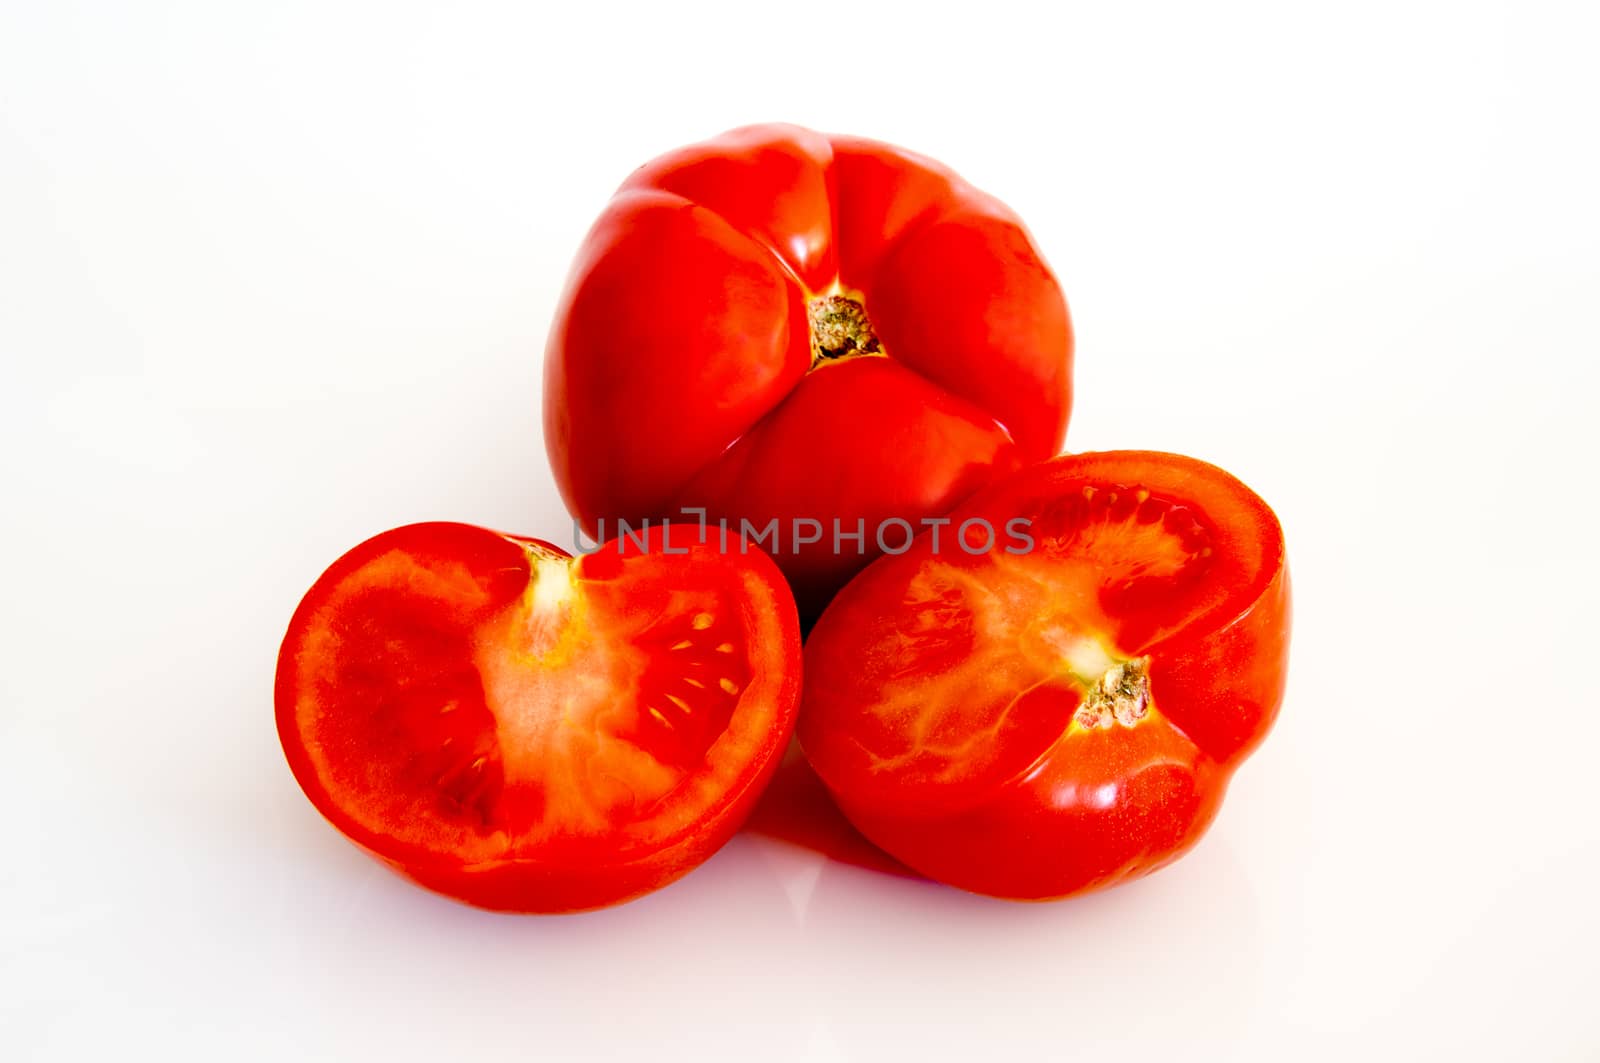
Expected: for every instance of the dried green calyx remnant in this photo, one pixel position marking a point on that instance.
(839, 328)
(1122, 696)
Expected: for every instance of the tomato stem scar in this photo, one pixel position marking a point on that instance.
(1121, 696)
(839, 328)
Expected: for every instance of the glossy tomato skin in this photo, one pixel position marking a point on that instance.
(991, 781)
(406, 619)
(1050, 834)
(679, 369)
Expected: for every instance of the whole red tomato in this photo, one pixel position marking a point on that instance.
(1060, 708)
(795, 330)
(528, 731)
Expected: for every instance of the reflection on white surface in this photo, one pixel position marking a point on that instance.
(766, 941)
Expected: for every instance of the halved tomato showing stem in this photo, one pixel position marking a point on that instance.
(529, 731)
(1053, 697)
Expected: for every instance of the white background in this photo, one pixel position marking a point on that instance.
(276, 277)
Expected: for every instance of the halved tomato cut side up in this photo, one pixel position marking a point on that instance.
(1062, 710)
(525, 730)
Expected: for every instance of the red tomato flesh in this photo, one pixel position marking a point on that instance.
(1039, 723)
(525, 730)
